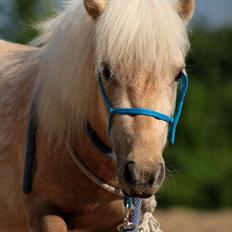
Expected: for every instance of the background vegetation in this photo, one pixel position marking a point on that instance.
(200, 163)
(202, 156)
(19, 17)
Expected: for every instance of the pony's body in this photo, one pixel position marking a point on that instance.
(62, 197)
(16, 87)
(56, 175)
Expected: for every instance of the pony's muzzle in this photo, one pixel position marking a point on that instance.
(143, 182)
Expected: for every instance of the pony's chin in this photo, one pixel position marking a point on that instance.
(135, 194)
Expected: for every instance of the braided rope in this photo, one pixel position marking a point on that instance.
(149, 224)
(135, 219)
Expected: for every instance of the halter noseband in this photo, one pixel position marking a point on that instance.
(172, 120)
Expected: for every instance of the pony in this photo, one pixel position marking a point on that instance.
(138, 48)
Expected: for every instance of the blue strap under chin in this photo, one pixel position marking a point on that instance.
(173, 121)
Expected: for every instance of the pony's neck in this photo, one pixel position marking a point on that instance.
(93, 159)
(102, 166)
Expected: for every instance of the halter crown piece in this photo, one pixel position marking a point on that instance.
(172, 120)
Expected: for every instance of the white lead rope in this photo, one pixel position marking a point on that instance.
(96, 180)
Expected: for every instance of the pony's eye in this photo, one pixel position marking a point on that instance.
(180, 74)
(107, 72)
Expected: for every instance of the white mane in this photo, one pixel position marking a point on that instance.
(130, 33)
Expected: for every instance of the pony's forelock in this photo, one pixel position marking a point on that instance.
(140, 34)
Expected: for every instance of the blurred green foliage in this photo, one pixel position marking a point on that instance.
(26, 15)
(200, 163)
(21, 27)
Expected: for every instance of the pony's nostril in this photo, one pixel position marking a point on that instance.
(151, 179)
(157, 176)
(144, 178)
(130, 173)
(160, 174)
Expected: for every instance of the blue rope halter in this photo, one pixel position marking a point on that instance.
(173, 120)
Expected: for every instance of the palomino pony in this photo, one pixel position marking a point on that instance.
(138, 48)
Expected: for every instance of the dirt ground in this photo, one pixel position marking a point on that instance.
(177, 220)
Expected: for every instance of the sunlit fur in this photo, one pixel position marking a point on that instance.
(61, 76)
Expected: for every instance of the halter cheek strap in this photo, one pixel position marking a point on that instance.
(183, 87)
(173, 121)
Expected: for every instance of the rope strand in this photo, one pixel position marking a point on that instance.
(79, 163)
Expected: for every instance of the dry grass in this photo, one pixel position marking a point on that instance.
(178, 220)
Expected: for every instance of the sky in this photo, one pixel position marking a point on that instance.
(210, 13)
(213, 13)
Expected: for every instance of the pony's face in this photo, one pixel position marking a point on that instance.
(138, 141)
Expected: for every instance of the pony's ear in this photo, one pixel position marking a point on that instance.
(186, 9)
(95, 7)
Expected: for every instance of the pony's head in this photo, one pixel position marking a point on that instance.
(140, 48)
